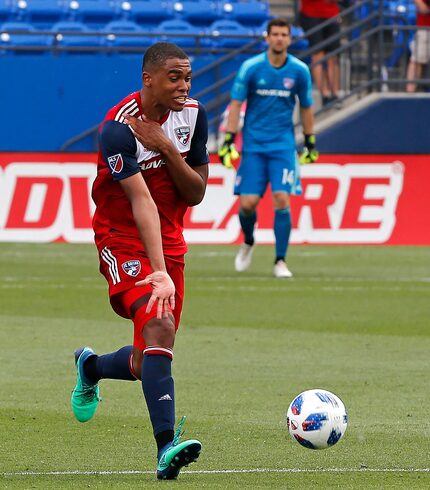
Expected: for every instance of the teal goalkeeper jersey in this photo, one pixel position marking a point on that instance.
(271, 96)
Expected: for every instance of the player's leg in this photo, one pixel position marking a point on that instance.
(251, 181)
(122, 268)
(420, 55)
(333, 73)
(155, 338)
(283, 177)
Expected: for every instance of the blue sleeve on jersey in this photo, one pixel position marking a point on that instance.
(239, 90)
(305, 88)
(198, 154)
(118, 147)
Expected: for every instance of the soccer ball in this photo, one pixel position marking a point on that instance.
(317, 419)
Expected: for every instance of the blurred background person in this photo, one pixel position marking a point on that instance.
(420, 46)
(325, 75)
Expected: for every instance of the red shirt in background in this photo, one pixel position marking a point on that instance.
(320, 8)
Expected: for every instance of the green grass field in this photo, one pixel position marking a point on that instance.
(354, 320)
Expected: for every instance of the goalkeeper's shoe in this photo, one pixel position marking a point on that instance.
(176, 455)
(85, 396)
(281, 270)
(243, 257)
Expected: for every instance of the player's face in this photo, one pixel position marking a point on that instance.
(278, 39)
(171, 83)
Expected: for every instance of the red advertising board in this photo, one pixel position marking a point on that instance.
(347, 199)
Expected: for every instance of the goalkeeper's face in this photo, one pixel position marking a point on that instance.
(278, 39)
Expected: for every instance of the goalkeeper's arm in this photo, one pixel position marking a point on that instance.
(227, 151)
(310, 153)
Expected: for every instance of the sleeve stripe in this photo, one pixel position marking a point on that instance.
(126, 108)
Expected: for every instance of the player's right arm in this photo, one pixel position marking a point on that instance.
(119, 149)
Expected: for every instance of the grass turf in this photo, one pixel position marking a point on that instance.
(353, 320)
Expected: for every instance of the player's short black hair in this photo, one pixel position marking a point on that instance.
(157, 55)
(278, 22)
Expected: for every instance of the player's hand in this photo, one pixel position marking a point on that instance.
(309, 154)
(148, 132)
(228, 151)
(163, 291)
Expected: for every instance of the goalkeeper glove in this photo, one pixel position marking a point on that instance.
(310, 153)
(228, 151)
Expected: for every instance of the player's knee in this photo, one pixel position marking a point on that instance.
(160, 332)
(281, 200)
(137, 359)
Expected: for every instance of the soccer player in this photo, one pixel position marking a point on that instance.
(152, 165)
(270, 83)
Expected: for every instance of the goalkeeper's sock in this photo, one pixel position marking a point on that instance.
(247, 222)
(282, 229)
(159, 389)
(116, 365)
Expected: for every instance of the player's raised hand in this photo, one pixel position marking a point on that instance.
(228, 151)
(163, 291)
(309, 154)
(148, 132)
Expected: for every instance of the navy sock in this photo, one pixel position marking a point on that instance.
(110, 366)
(158, 388)
(247, 222)
(282, 229)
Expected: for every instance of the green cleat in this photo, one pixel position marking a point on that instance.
(177, 454)
(85, 396)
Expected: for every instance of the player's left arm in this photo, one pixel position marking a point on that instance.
(310, 153)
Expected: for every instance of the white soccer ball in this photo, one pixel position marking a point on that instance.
(317, 419)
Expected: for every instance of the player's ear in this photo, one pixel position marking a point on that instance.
(146, 79)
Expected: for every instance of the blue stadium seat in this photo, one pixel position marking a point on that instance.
(246, 12)
(198, 12)
(25, 36)
(124, 26)
(94, 13)
(43, 13)
(172, 30)
(147, 13)
(81, 38)
(221, 29)
(5, 10)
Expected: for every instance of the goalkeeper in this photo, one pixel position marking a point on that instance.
(270, 83)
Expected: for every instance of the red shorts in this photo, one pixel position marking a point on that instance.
(123, 264)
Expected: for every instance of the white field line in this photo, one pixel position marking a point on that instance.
(220, 472)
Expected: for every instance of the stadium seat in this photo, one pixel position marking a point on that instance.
(94, 13)
(247, 13)
(147, 13)
(220, 31)
(42, 14)
(81, 38)
(172, 29)
(198, 13)
(123, 26)
(5, 10)
(24, 37)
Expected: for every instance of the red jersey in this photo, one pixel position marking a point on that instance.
(121, 155)
(423, 19)
(323, 9)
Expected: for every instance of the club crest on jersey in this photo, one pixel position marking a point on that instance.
(183, 134)
(131, 267)
(116, 163)
(288, 82)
